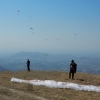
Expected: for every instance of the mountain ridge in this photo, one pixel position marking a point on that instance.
(45, 61)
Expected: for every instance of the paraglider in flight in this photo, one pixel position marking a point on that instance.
(56, 40)
(30, 17)
(18, 10)
(75, 35)
(31, 28)
(45, 55)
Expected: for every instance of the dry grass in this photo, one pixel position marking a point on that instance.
(49, 93)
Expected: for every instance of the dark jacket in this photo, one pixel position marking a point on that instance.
(73, 67)
(28, 63)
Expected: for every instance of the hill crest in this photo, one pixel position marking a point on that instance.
(49, 93)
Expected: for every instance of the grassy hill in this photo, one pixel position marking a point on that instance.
(22, 91)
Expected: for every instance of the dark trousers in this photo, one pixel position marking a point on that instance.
(71, 74)
(28, 67)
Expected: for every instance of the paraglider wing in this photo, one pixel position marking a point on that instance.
(31, 28)
(18, 10)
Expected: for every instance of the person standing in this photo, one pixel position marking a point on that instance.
(28, 65)
(73, 68)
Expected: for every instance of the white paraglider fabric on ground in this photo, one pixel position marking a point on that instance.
(54, 84)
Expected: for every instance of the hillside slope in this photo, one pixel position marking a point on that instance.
(7, 93)
(28, 91)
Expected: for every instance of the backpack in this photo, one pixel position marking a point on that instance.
(75, 67)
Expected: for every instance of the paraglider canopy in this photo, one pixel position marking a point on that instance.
(18, 10)
(45, 55)
(31, 28)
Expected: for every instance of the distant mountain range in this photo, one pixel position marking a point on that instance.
(44, 61)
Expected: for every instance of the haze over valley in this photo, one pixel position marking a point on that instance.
(44, 61)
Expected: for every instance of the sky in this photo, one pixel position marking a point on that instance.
(50, 26)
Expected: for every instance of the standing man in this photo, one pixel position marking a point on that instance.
(28, 65)
(73, 68)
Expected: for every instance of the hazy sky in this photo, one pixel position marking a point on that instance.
(50, 26)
